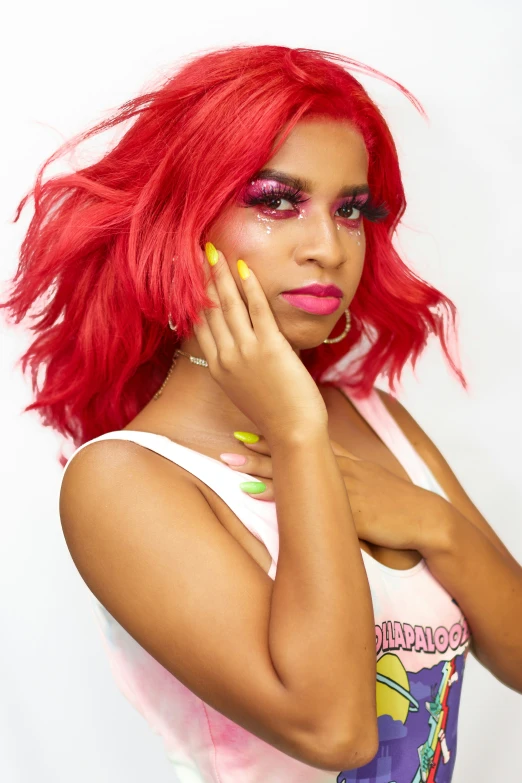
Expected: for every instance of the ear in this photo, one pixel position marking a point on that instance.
(340, 451)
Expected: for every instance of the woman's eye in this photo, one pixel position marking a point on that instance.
(276, 204)
(352, 209)
(277, 200)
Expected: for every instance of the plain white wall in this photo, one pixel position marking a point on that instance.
(63, 67)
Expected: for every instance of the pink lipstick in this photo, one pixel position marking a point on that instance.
(320, 305)
(317, 289)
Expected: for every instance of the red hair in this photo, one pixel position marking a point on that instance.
(112, 247)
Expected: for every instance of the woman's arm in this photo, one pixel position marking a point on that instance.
(491, 600)
(321, 631)
(488, 589)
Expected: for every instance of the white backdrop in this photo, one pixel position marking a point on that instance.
(63, 67)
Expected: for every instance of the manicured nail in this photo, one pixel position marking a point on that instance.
(212, 253)
(246, 437)
(233, 459)
(253, 487)
(243, 270)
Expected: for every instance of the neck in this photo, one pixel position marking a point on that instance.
(194, 408)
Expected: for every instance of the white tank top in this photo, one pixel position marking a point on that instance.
(421, 644)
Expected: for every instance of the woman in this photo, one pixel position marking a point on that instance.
(327, 641)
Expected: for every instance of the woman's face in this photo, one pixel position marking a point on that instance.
(293, 234)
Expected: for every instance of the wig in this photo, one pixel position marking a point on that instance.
(112, 248)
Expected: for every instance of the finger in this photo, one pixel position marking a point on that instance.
(267, 494)
(261, 315)
(228, 290)
(260, 446)
(257, 464)
(216, 320)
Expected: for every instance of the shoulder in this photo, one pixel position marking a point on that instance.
(411, 428)
(427, 450)
(105, 468)
(99, 457)
(422, 443)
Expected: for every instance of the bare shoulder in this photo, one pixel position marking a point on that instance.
(114, 463)
(424, 445)
(405, 420)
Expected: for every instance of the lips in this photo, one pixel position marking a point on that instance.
(320, 305)
(317, 289)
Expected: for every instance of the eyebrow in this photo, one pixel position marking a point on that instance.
(304, 184)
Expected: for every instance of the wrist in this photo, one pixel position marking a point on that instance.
(298, 437)
(438, 527)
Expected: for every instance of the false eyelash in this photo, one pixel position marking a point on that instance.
(375, 213)
(372, 212)
(271, 193)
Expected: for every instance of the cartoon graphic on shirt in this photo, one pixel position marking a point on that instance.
(416, 709)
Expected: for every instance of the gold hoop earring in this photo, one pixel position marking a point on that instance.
(338, 339)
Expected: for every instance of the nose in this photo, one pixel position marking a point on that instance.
(322, 241)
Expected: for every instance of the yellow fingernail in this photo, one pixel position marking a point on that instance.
(246, 437)
(212, 253)
(243, 270)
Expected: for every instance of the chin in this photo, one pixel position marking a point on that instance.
(303, 343)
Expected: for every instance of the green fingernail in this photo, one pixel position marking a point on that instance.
(246, 437)
(254, 487)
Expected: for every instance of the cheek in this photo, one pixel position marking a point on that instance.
(239, 233)
(227, 231)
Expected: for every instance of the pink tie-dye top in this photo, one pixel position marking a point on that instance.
(421, 644)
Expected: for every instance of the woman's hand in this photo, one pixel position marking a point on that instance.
(388, 511)
(249, 357)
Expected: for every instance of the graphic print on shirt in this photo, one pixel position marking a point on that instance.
(417, 710)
